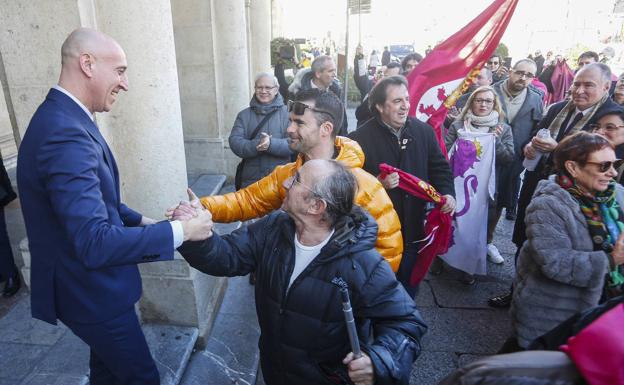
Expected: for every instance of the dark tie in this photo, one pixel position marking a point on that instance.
(563, 133)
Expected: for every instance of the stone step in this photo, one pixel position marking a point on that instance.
(231, 355)
(206, 184)
(33, 352)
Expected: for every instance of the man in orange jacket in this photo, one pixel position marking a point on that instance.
(314, 116)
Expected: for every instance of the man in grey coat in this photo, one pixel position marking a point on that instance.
(523, 109)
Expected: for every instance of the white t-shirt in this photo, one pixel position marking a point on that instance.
(304, 255)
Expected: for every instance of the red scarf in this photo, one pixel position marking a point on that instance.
(437, 226)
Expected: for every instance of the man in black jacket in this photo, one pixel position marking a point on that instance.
(410, 145)
(298, 254)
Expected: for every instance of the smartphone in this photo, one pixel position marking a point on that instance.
(507, 62)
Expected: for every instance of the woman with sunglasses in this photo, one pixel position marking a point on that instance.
(610, 124)
(483, 113)
(575, 236)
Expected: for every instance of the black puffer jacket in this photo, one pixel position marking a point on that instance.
(303, 336)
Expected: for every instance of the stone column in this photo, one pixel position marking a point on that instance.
(30, 63)
(213, 66)
(146, 127)
(231, 59)
(260, 36)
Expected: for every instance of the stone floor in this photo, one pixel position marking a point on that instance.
(462, 327)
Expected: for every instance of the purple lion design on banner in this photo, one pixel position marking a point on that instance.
(464, 157)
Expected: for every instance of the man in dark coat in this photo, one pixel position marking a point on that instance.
(590, 96)
(523, 108)
(385, 57)
(410, 145)
(302, 256)
(539, 62)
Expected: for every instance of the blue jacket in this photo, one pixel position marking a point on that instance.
(83, 244)
(303, 336)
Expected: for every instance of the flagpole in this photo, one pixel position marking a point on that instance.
(345, 86)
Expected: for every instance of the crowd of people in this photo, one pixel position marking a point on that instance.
(320, 215)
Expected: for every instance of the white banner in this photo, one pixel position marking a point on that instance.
(472, 161)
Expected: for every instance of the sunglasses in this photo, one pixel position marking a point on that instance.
(609, 127)
(299, 109)
(494, 62)
(606, 166)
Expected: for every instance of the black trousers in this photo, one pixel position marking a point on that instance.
(7, 263)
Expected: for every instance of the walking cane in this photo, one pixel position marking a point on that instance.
(349, 320)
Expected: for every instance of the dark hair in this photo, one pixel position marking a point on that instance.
(578, 147)
(337, 189)
(412, 56)
(589, 55)
(393, 65)
(324, 101)
(500, 59)
(379, 92)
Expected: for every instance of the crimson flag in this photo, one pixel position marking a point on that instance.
(447, 71)
(438, 227)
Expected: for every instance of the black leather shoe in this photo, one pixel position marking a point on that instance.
(11, 286)
(500, 301)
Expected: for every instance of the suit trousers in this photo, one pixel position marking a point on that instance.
(408, 260)
(119, 352)
(7, 264)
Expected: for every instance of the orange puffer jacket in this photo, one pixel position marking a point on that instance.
(266, 195)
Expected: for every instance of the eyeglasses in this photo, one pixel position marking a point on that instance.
(296, 179)
(609, 127)
(494, 62)
(299, 109)
(264, 88)
(487, 102)
(606, 166)
(527, 75)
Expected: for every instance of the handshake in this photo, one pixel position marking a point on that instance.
(196, 221)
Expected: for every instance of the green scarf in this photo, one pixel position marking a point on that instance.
(605, 220)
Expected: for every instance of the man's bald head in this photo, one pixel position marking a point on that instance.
(93, 68)
(85, 40)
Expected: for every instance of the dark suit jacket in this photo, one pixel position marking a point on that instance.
(84, 250)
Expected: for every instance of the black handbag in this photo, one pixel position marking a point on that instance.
(238, 177)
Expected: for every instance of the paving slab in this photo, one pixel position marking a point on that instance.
(431, 367)
(425, 296)
(239, 298)
(69, 356)
(55, 379)
(454, 294)
(17, 361)
(465, 331)
(231, 355)
(171, 347)
(18, 326)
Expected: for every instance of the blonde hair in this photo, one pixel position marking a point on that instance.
(496, 107)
